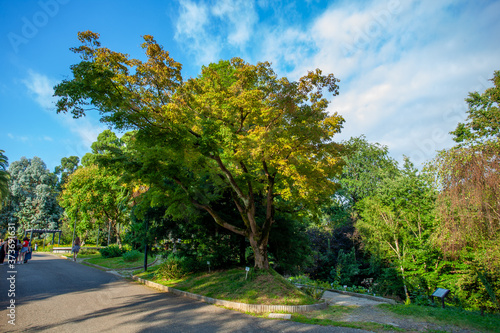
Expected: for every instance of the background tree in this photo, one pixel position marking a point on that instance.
(32, 203)
(4, 177)
(468, 176)
(67, 167)
(483, 117)
(235, 127)
(93, 197)
(366, 166)
(397, 221)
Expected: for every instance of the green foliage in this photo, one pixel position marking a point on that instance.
(94, 197)
(289, 245)
(67, 167)
(111, 251)
(132, 255)
(32, 202)
(389, 283)
(175, 267)
(326, 244)
(483, 119)
(346, 269)
(366, 166)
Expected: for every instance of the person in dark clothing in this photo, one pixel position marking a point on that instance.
(3, 248)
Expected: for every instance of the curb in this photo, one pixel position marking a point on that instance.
(254, 308)
(373, 298)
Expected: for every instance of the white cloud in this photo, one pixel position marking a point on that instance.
(240, 16)
(405, 67)
(41, 88)
(207, 30)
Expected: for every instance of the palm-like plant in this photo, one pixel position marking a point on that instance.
(4, 177)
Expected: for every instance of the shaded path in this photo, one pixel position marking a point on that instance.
(58, 295)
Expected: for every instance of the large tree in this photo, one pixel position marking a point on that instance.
(94, 197)
(236, 127)
(32, 203)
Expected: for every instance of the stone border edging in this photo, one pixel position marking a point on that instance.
(254, 308)
(373, 298)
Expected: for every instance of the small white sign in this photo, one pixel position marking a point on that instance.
(247, 269)
(208, 262)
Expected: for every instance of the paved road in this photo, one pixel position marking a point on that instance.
(57, 295)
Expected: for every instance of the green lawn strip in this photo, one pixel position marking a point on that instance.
(117, 262)
(448, 316)
(230, 285)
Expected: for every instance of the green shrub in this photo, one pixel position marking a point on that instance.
(175, 267)
(88, 251)
(111, 251)
(133, 255)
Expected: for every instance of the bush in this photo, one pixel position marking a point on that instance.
(176, 267)
(133, 255)
(88, 251)
(111, 251)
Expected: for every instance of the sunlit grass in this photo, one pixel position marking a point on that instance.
(262, 288)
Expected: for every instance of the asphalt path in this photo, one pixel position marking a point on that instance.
(57, 295)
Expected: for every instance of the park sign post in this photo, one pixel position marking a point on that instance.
(440, 293)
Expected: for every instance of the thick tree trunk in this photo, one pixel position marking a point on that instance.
(118, 238)
(260, 252)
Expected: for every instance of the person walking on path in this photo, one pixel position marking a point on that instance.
(3, 247)
(24, 249)
(76, 248)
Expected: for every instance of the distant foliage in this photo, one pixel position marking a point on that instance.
(111, 251)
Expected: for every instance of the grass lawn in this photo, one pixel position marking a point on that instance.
(449, 315)
(117, 262)
(260, 287)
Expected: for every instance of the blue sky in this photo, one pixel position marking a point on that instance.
(405, 66)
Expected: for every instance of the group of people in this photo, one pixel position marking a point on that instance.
(22, 250)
